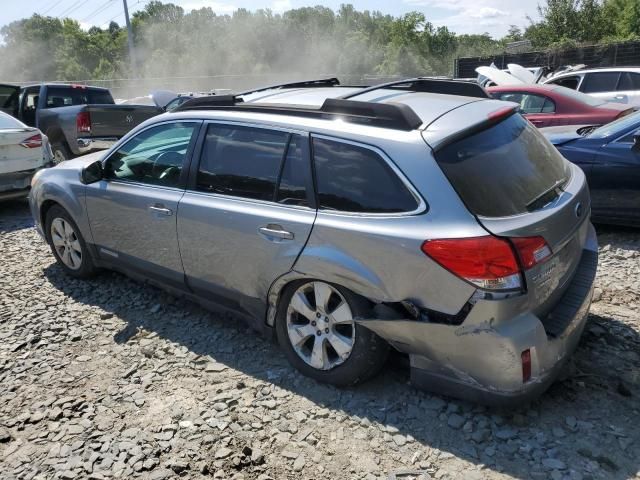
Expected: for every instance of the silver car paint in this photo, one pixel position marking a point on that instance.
(481, 354)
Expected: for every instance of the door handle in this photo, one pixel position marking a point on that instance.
(161, 209)
(275, 231)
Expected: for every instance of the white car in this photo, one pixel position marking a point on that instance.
(23, 151)
(617, 84)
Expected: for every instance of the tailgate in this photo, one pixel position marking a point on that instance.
(518, 185)
(13, 156)
(117, 120)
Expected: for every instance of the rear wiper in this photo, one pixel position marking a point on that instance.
(546, 196)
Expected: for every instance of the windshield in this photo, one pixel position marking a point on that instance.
(579, 96)
(617, 127)
(507, 169)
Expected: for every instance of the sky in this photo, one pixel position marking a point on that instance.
(460, 16)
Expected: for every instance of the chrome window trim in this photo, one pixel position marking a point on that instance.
(252, 201)
(422, 205)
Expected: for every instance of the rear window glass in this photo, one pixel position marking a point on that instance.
(501, 171)
(67, 96)
(9, 122)
(351, 178)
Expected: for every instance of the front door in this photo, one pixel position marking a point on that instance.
(133, 211)
(247, 213)
(615, 181)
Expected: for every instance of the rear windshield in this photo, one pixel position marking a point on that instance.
(67, 96)
(503, 170)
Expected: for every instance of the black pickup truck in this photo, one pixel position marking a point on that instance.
(77, 119)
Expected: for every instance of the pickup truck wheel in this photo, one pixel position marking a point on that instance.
(61, 152)
(67, 244)
(315, 326)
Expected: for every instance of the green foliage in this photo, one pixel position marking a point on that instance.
(304, 41)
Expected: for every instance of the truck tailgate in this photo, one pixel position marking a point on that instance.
(117, 120)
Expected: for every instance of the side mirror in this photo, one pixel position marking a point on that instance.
(636, 143)
(92, 173)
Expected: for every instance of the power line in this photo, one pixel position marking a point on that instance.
(55, 4)
(72, 7)
(100, 9)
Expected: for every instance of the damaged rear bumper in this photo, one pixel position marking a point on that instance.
(481, 361)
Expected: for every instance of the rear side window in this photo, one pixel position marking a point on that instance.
(503, 170)
(242, 161)
(351, 178)
(629, 81)
(600, 82)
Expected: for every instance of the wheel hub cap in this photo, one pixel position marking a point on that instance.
(66, 243)
(320, 325)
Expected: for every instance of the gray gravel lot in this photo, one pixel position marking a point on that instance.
(110, 378)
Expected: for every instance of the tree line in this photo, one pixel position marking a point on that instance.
(310, 40)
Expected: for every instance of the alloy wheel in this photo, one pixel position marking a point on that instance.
(320, 325)
(66, 243)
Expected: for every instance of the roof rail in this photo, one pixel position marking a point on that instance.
(396, 116)
(429, 85)
(322, 82)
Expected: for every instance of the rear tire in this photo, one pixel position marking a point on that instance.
(67, 244)
(61, 152)
(325, 343)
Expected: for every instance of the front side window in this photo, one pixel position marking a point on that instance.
(568, 82)
(351, 178)
(154, 156)
(600, 82)
(242, 161)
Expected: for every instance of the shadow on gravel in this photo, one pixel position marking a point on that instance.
(12, 215)
(585, 423)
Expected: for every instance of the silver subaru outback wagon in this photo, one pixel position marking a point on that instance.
(348, 221)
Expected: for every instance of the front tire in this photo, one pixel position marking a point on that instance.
(67, 244)
(315, 327)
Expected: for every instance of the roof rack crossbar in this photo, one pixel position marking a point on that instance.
(429, 85)
(396, 116)
(321, 82)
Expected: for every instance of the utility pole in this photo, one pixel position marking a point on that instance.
(132, 56)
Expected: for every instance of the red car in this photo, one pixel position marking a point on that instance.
(549, 105)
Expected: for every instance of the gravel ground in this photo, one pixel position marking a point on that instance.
(109, 378)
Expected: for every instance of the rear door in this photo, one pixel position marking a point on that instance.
(615, 181)
(133, 211)
(629, 88)
(247, 213)
(603, 85)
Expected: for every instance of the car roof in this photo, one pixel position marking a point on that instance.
(428, 106)
(594, 70)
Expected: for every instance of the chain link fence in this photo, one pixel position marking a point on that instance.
(623, 54)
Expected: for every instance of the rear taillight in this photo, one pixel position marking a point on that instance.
(32, 142)
(83, 122)
(488, 262)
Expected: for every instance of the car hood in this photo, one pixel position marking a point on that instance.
(562, 135)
